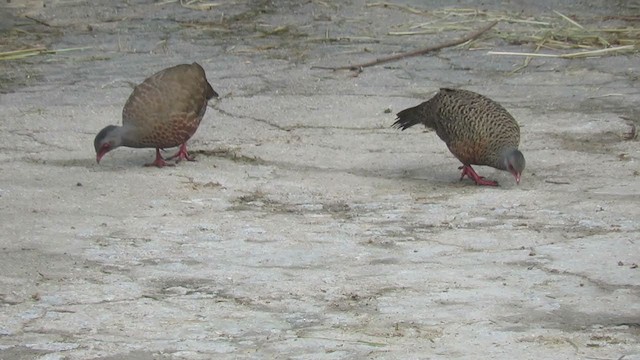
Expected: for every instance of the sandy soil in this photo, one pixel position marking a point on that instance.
(308, 228)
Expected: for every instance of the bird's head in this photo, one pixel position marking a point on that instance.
(107, 139)
(514, 163)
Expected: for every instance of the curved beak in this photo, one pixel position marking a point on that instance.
(105, 149)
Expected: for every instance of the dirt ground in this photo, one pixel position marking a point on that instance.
(308, 228)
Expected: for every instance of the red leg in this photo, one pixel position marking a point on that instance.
(182, 154)
(467, 170)
(159, 161)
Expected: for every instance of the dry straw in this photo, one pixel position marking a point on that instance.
(25, 53)
(553, 33)
(198, 5)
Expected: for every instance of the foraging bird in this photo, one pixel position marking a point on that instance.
(163, 111)
(477, 130)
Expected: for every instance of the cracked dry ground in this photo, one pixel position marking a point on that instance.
(308, 228)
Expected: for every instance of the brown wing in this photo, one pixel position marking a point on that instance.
(167, 107)
(474, 127)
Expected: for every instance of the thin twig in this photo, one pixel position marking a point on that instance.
(462, 40)
(559, 182)
(401, 7)
(37, 20)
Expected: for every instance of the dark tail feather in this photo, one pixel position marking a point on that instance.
(408, 117)
(210, 93)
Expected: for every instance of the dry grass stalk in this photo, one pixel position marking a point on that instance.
(396, 6)
(359, 67)
(571, 21)
(578, 54)
(25, 53)
(556, 32)
(198, 5)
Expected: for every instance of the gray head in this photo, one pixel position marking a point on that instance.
(514, 163)
(107, 139)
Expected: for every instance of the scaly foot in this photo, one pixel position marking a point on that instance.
(467, 170)
(182, 154)
(159, 161)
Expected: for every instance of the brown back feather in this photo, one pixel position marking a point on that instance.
(476, 129)
(166, 108)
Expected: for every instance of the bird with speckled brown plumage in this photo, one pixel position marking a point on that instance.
(477, 130)
(164, 111)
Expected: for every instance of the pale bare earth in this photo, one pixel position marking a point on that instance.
(308, 228)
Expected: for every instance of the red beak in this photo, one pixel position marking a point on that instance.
(103, 150)
(517, 176)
